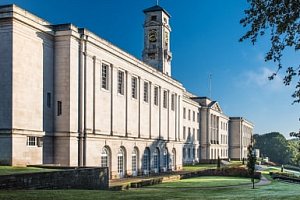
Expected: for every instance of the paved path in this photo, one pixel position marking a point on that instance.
(263, 181)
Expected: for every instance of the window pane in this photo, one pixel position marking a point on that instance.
(105, 76)
(120, 82)
(165, 99)
(156, 96)
(134, 87)
(146, 88)
(173, 102)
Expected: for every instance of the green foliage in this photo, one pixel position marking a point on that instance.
(204, 182)
(251, 163)
(275, 190)
(219, 163)
(295, 147)
(280, 19)
(275, 146)
(198, 167)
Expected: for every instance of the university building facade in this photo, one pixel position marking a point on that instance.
(70, 98)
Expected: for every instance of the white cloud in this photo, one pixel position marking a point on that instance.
(260, 79)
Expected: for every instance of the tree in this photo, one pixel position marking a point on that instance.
(275, 146)
(296, 156)
(281, 19)
(218, 163)
(251, 163)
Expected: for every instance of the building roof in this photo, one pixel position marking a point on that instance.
(156, 8)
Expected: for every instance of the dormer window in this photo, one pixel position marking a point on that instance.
(153, 18)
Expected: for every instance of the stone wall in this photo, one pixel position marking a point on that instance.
(82, 178)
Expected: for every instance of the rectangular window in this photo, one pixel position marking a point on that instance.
(184, 114)
(198, 134)
(105, 76)
(156, 96)
(153, 18)
(151, 56)
(194, 153)
(31, 141)
(146, 91)
(193, 134)
(121, 82)
(134, 87)
(48, 99)
(184, 133)
(194, 116)
(189, 133)
(173, 102)
(59, 108)
(189, 115)
(165, 99)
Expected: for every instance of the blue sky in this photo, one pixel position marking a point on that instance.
(204, 40)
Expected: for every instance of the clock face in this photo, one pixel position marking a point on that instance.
(152, 35)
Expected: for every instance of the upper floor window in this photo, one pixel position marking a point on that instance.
(173, 102)
(153, 18)
(59, 108)
(146, 91)
(134, 87)
(184, 113)
(189, 115)
(165, 103)
(121, 82)
(194, 115)
(49, 99)
(31, 141)
(156, 96)
(34, 141)
(105, 76)
(184, 133)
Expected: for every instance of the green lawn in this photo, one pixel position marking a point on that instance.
(205, 181)
(5, 170)
(199, 167)
(276, 190)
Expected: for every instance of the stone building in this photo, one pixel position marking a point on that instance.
(241, 132)
(68, 97)
(214, 130)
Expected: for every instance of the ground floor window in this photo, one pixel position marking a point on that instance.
(105, 157)
(146, 160)
(173, 158)
(166, 158)
(155, 159)
(121, 161)
(194, 153)
(134, 162)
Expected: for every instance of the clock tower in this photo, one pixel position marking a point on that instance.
(157, 31)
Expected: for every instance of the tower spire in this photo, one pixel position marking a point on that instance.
(157, 30)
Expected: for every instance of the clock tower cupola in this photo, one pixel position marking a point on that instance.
(157, 31)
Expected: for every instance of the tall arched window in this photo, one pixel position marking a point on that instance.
(121, 161)
(105, 157)
(146, 161)
(166, 157)
(134, 158)
(156, 160)
(173, 161)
